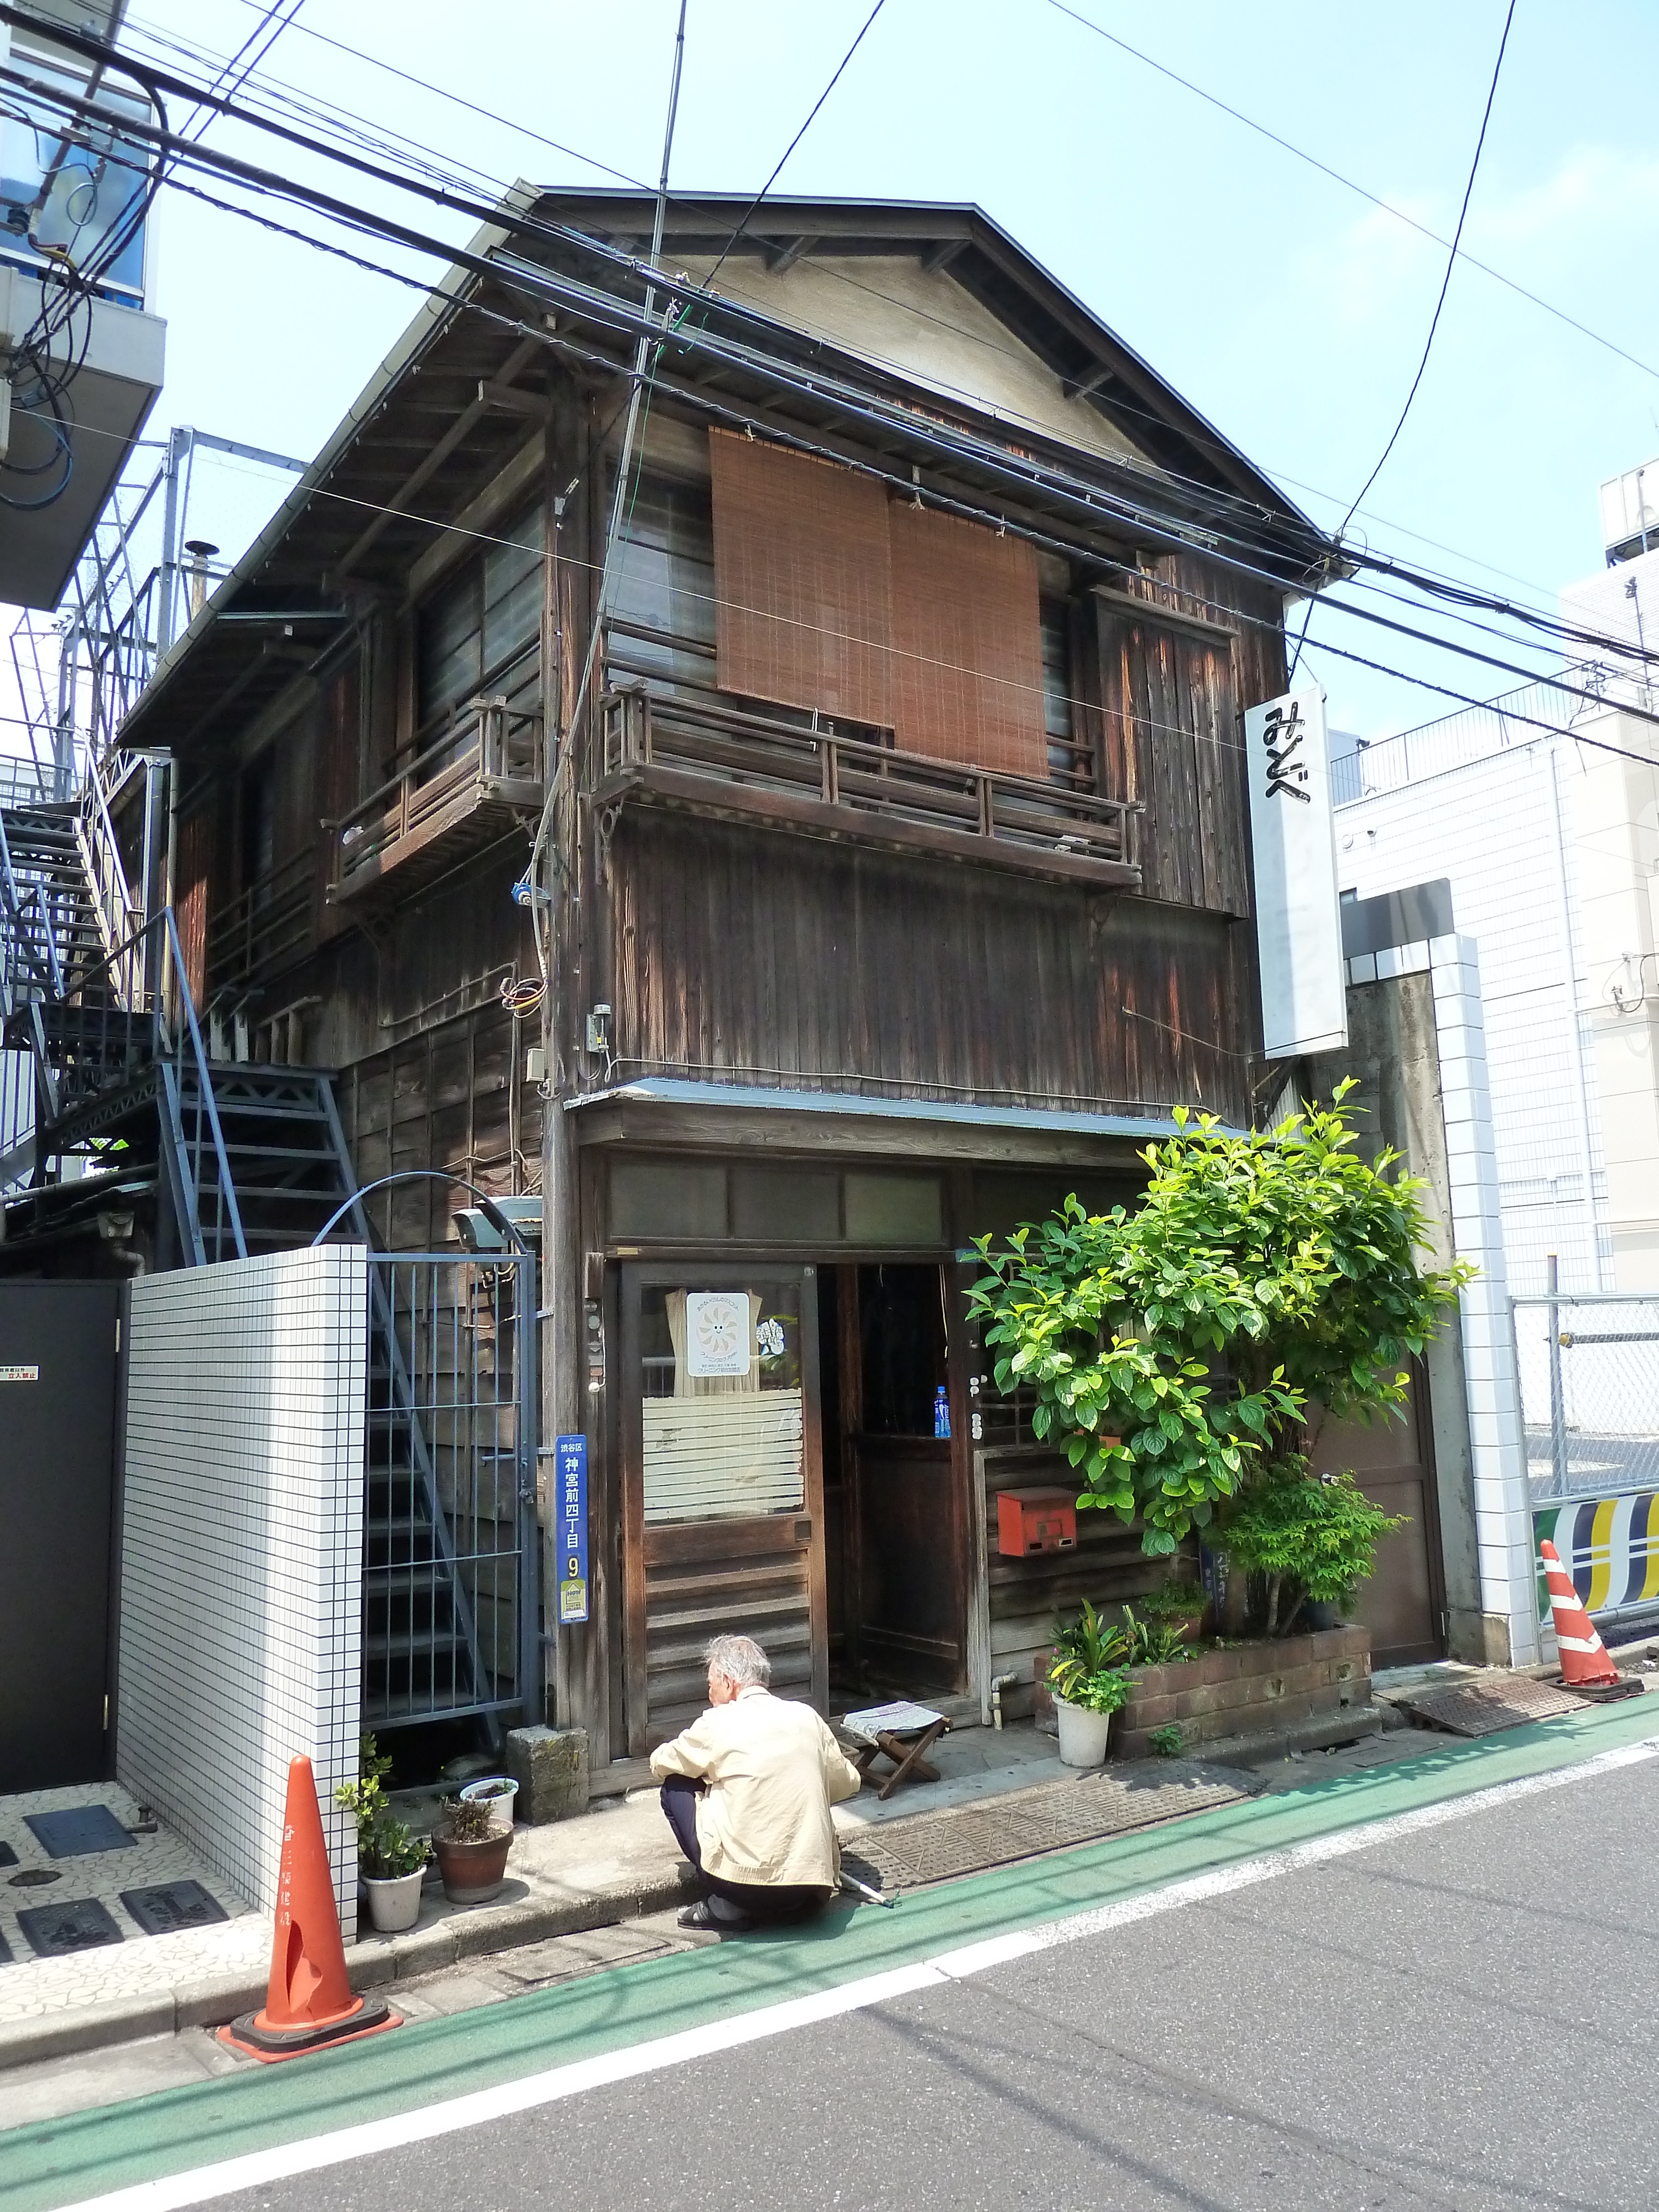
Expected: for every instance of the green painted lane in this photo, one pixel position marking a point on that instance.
(61, 2162)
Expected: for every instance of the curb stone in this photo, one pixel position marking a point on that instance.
(208, 2001)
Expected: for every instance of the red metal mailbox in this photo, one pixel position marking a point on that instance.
(1031, 1520)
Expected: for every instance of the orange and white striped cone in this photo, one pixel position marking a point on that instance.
(1584, 1661)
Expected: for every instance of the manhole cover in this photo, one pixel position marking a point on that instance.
(1482, 1708)
(79, 1830)
(167, 1907)
(81, 1924)
(935, 1846)
(34, 1878)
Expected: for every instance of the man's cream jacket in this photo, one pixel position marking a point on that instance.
(773, 1769)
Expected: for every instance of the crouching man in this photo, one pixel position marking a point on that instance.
(747, 1790)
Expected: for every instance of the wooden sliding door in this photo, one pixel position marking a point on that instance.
(722, 1484)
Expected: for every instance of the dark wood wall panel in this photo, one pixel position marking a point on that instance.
(752, 958)
(1173, 694)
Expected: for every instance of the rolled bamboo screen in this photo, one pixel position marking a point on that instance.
(967, 643)
(802, 577)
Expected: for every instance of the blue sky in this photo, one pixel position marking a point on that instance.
(1285, 307)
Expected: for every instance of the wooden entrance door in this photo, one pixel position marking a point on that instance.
(907, 1584)
(1403, 1604)
(722, 1484)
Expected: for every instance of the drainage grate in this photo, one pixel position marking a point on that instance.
(166, 1906)
(80, 1830)
(956, 1840)
(1481, 1708)
(82, 1925)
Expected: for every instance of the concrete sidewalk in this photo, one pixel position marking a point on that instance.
(613, 1867)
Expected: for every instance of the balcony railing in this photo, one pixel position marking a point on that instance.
(462, 792)
(261, 932)
(699, 752)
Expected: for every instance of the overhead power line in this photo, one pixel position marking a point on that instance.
(742, 221)
(624, 316)
(1445, 281)
(1288, 146)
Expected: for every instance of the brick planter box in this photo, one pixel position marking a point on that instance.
(1252, 1687)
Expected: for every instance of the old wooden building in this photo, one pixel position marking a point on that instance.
(794, 825)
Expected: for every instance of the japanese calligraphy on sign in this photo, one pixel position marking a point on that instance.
(1298, 925)
(571, 1462)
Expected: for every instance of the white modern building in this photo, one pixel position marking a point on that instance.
(1542, 812)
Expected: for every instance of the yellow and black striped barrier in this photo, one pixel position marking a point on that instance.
(1608, 1545)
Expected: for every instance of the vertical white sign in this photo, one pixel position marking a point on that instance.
(1298, 923)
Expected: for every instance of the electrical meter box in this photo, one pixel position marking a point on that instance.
(1032, 1520)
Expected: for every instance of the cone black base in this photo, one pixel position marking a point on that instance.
(244, 2033)
(1604, 1694)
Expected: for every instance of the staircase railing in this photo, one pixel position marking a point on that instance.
(120, 915)
(111, 1034)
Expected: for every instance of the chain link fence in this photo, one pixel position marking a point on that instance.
(1589, 1394)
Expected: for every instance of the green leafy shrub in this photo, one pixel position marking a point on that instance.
(1154, 1643)
(1311, 1535)
(1168, 1741)
(1086, 1669)
(1173, 1351)
(385, 1847)
(1172, 1601)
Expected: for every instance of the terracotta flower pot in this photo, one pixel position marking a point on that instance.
(473, 1873)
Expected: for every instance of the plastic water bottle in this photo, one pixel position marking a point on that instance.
(941, 1413)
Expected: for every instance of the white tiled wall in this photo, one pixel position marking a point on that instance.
(242, 1558)
(1503, 1509)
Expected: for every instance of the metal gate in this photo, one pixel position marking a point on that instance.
(451, 1600)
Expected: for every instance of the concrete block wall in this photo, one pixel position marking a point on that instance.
(241, 1557)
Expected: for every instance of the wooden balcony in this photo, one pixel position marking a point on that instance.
(462, 793)
(704, 756)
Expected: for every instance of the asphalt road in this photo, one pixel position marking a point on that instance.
(1452, 2018)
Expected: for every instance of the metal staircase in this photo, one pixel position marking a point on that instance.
(241, 1159)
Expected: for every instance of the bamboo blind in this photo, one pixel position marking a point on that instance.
(802, 579)
(967, 644)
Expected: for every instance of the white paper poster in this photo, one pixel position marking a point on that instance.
(1299, 922)
(717, 1331)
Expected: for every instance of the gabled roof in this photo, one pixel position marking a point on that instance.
(465, 387)
(1089, 359)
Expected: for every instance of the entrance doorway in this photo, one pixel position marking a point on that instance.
(722, 1484)
(57, 1358)
(901, 1618)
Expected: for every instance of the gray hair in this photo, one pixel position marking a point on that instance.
(740, 1659)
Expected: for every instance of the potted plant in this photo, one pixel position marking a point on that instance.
(390, 1860)
(1088, 1683)
(472, 1840)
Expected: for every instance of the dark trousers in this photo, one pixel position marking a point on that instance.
(760, 1900)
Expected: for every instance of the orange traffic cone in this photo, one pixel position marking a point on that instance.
(309, 2000)
(1584, 1661)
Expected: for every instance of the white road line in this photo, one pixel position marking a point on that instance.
(261, 2167)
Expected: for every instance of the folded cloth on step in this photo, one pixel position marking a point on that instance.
(902, 1717)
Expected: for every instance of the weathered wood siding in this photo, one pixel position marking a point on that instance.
(742, 956)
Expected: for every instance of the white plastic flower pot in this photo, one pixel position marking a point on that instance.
(394, 1901)
(1082, 1734)
(497, 1790)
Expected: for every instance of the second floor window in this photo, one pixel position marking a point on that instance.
(662, 601)
(480, 630)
